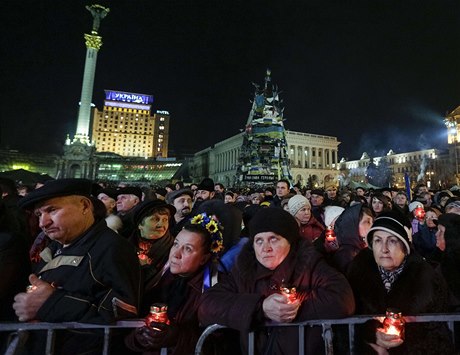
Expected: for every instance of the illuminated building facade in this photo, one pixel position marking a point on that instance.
(127, 126)
(452, 122)
(311, 157)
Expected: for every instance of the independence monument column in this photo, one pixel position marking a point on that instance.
(93, 44)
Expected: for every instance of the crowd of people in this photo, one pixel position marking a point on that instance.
(249, 259)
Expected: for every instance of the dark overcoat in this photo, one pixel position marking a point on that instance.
(418, 289)
(236, 301)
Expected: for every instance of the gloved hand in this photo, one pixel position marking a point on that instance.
(158, 335)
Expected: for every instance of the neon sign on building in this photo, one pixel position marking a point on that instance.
(128, 97)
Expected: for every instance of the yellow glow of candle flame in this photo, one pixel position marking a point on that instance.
(392, 330)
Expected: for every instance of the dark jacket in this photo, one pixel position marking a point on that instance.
(418, 289)
(312, 230)
(424, 240)
(236, 301)
(97, 280)
(347, 232)
(450, 257)
(14, 271)
(183, 314)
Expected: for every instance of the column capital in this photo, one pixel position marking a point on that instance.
(93, 41)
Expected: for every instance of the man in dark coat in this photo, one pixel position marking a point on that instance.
(251, 295)
(88, 273)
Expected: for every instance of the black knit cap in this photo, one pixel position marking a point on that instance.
(394, 223)
(274, 220)
(57, 188)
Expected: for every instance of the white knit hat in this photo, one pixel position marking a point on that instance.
(414, 205)
(331, 213)
(296, 203)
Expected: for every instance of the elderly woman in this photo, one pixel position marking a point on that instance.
(251, 296)
(152, 239)
(388, 274)
(179, 288)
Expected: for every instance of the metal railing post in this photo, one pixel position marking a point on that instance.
(327, 336)
(50, 342)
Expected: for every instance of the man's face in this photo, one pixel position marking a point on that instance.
(422, 189)
(218, 188)
(331, 192)
(203, 195)
(108, 201)
(317, 200)
(63, 219)
(229, 199)
(401, 200)
(282, 189)
(125, 202)
(359, 192)
(183, 205)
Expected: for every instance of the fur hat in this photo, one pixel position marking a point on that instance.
(206, 184)
(391, 222)
(274, 220)
(331, 213)
(57, 188)
(296, 203)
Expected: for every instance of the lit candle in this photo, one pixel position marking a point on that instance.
(419, 213)
(393, 323)
(290, 293)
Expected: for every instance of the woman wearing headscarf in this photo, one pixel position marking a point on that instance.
(389, 274)
(152, 239)
(259, 290)
(351, 230)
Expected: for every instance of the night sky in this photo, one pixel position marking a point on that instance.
(375, 74)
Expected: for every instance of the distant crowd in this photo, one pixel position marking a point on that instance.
(187, 256)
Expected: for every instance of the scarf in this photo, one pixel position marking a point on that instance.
(390, 277)
(158, 253)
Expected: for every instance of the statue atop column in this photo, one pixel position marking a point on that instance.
(98, 12)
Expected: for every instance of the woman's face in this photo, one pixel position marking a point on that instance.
(377, 205)
(271, 249)
(154, 226)
(187, 254)
(364, 225)
(430, 217)
(303, 215)
(388, 250)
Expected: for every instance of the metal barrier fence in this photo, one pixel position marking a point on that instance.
(327, 332)
(22, 328)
